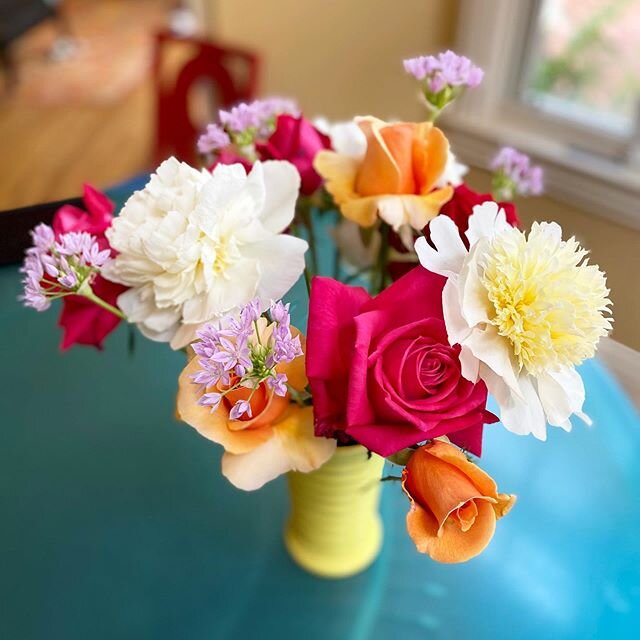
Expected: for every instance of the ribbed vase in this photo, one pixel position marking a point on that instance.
(334, 528)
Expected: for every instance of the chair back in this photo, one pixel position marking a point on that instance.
(232, 74)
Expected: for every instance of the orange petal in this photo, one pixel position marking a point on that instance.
(450, 543)
(339, 173)
(295, 370)
(387, 165)
(214, 425)
(437, 485)
(430, 153)
(483, 481)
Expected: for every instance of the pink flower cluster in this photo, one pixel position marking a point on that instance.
(445, 69)
(245, 122)
(516, 168)
(53, 269)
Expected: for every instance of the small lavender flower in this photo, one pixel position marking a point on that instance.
(255, 118)
(239, 344)
(515, 175)
(239, 409)
(444, 77)
(279, 384)
(53, 269)
(213, 139)
(43, 237)
(447, 68)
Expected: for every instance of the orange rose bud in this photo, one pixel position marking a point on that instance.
(454, 504)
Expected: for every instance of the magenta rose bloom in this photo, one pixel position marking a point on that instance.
(298, 141)
(382, 371)
(82, 321)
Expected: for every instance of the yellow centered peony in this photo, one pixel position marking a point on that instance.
(548, 301)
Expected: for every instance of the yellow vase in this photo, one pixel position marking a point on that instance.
(334, 528)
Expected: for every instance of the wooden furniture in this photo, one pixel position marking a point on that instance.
(233, 73)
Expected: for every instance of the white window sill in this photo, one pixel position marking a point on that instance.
(595, 184)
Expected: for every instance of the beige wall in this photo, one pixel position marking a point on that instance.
(338, 57)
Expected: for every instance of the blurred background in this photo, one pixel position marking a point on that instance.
(99, 90)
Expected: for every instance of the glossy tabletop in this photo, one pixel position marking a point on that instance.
(117, 524)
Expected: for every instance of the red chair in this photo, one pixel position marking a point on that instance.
(233, 73)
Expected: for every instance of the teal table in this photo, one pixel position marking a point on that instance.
(116, 522)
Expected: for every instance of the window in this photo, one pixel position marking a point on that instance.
(563, 84)
(583, 64)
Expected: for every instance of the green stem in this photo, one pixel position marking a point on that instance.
(383, 260)
(101, 303)
(313, 253)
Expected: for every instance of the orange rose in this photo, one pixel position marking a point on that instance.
(394, 178)
(454, 504)
(277, 438)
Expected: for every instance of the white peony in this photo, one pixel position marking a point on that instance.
(525, 309)
(194, 245)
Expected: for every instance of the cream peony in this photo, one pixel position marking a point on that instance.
(525, 310)
(194, 246)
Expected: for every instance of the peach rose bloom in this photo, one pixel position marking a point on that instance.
(279, 436)
(394, 179)
(454, 504)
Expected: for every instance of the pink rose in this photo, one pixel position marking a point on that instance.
(82, 321)
(298, 141)
(382, 371)
(95, 220)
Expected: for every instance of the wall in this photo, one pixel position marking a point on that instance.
(339, 57)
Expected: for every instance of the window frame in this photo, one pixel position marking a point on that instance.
(593, 169)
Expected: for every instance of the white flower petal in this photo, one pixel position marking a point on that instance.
(448, 257)
(487, 220)
(391, 210)
(562, 395)
(347, 138)
(293, 447)
(520, 415)
(282, 184)
(474, 300)
(453, 173)
(458, 329)
(493, 350)
(281, 261)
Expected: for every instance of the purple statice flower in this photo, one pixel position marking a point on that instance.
(53, 269)
(255, 118)
(213, 139)
(516, 175)
(447, 69)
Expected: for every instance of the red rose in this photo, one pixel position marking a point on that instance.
(382, 370)
(298, 141)
(82, 321)
(459, 208)
(229, 156)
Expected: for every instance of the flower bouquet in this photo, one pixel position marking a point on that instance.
(435, 300)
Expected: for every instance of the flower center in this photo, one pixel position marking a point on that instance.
(547, 301)
(226, 254)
